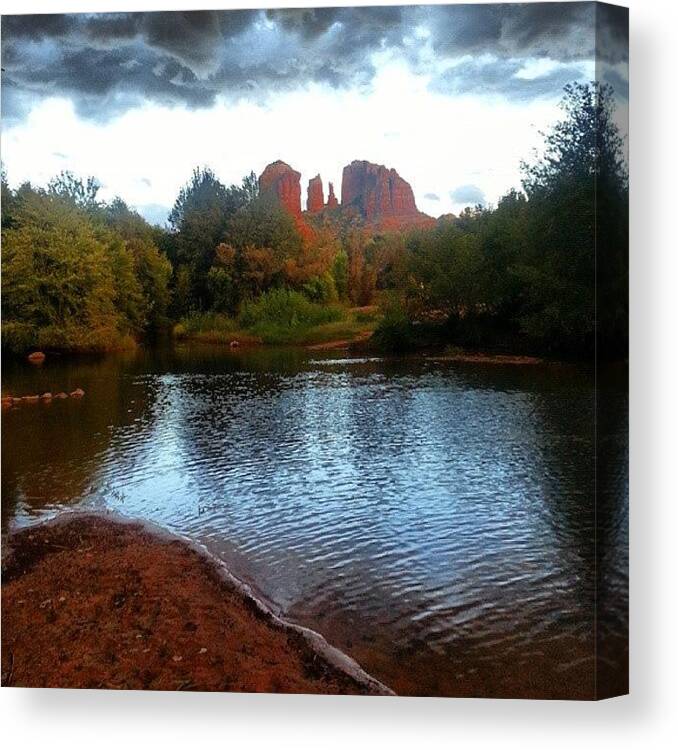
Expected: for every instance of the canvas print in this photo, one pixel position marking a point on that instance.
(315, 350)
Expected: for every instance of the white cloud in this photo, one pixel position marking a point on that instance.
(435, 142)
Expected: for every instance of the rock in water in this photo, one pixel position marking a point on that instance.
(280, 180)
(332, 201)
(315, 196)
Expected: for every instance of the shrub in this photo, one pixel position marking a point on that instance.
(321, 288)
(364, 316)
(204, 322)
(285, 308)
(281, 316)
(395, 332)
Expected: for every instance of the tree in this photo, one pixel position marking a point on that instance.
(200, 218)
(264, 223)
(340, 273)
(70, 188)
(7, 200)
(57, 283)
(151, 269)
(446, 272)
(578, 227)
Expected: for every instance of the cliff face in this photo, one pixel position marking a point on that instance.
(284, 182)
(377, 192)
(332, 201)
(380, 195)
(315, 196)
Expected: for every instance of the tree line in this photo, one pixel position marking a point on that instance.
(546, 269)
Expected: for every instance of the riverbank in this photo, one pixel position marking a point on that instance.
(483, 358)
(352, 325)
(94, 602)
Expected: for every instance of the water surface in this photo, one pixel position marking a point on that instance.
(435, 520)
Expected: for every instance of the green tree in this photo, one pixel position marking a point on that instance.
(200, 217)
(578, 204)
(340, 273)
(151, 268)
(58, 288)
(71, 188)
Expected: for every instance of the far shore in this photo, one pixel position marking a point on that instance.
(99, 601)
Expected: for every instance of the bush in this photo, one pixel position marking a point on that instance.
(395, 332)
(204, 322)
(363, 316)
(280, 315)
(59, 289)
(321, 288)
(284, 307)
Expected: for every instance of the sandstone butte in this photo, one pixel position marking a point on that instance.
(332, 201)
(382, 197)
(284, 182)
(315, 197)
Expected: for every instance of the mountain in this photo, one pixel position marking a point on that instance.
(380, 196)
(284, 182)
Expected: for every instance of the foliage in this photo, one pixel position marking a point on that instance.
(321, 289)
(279, 312)
(207, 322)
(340, 273)
(58, 285)
(395, 332)
(578, 226)
(73, 190)
(78, 274)
(362, 275)
(548, 266)
(199, 219)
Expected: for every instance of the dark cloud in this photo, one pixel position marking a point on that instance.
(616, 80)
(432, 196)
(612, 33)
(500, 77)
(107, 63)
(469, 194)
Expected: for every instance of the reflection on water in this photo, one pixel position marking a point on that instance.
(435, 520)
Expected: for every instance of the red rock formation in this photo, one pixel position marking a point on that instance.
(316, 197)
(381, 195)
(332, 201)
(285, 183)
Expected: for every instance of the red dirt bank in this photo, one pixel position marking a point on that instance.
(89, 602)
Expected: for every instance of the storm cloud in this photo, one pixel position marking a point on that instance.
(109, 63)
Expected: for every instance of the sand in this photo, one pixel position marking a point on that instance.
(98, 602)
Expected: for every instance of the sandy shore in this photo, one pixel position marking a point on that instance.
(488, 359)
(100, 602)
(341, 343)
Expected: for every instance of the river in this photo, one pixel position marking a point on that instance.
(435, 520)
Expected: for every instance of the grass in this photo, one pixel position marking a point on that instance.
(209, 327)
(280, 317)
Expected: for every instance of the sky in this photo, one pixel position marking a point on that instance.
(453, 97)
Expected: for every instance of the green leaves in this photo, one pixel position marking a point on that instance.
(70, 279)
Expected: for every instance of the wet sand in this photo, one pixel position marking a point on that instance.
(488, 359)
(92, 601)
